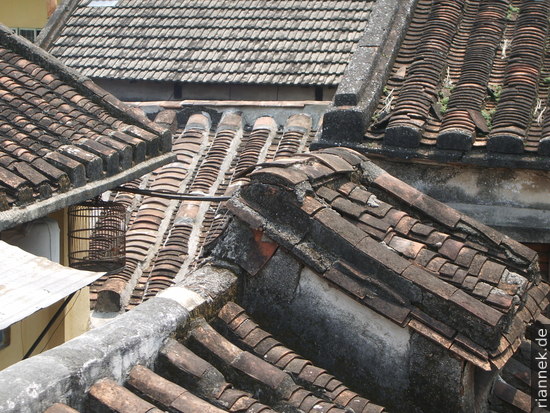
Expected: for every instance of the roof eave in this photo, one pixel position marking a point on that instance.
(16, 216)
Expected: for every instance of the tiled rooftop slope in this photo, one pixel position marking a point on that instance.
(405, 255)
(59, 131)
(282, 42)
(165, 237)
(470, 76)
(236, 366)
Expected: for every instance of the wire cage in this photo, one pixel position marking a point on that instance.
(97, 236)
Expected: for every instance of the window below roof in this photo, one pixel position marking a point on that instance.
(28, 33)
(102, 3)
(4, 338)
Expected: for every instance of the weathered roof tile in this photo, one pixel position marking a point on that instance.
(129, 46)
(49, 114)
(407, 263)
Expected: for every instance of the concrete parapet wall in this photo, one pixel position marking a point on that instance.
(65, 373)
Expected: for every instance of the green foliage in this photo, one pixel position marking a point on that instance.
(488, 116)
(511, 12)
(496, 91)
(443, 103)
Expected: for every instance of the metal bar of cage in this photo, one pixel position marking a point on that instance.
(97, 236)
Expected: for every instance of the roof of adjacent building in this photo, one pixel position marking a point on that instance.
(30, 283)
(165, 237)
(413, 260)
(228, 364)
(405, 255)
(214, 365)
(208, 41)
(469, 84)
(61, 133)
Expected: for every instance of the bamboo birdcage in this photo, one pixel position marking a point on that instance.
(97, 236)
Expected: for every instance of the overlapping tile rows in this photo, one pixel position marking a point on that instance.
(58, 132)
(283, 42)
(371, 236)
(211, 372)
(514, 110)
(251, 336)
(487, 86)
(166, 237)
(419, 90)
(464, 108)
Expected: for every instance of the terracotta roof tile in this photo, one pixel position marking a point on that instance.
(302, 368)
(170, 41)
(55, 126)
(473, 97)
(60, 408)
(108, 393)
(167, 236)
(384, 262)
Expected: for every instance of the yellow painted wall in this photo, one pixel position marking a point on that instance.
(73, 322)
(31, 14)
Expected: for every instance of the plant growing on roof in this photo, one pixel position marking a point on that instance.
(495, 91)
(488, 116)
(511, 12)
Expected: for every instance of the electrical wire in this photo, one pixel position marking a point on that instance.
(61, 320)
(172, 195)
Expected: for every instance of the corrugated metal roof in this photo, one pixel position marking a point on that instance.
(29, 283)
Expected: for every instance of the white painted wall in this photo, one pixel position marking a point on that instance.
(381, 345)
(40, 237)
(514, 201)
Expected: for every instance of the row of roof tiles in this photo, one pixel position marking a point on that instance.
(476, 88)
(165, 236)
(59, 132)
(325, 35)
(227, 369)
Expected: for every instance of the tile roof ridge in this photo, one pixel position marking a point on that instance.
(323, 206)
(313, 167)
(55, 23)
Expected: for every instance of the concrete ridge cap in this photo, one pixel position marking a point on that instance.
(188, 299)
